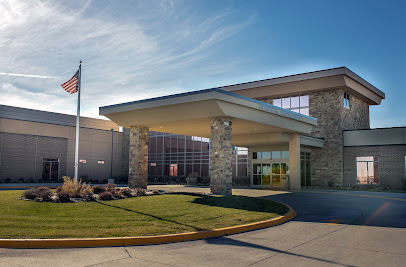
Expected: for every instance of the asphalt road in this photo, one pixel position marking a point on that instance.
(332, 228)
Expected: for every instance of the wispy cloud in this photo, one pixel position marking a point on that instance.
(28, 75)
(129, 51)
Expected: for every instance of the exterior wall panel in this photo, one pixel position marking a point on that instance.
(22, 155)
(391, 166)
(34, 141)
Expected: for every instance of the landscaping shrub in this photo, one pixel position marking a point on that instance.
(141, 192)
(128, 192)
(117, 194)
(110, 187)
(89, 196)
(106, 196)
(331, 183)
(42, 192)
(63, 196)
(97, 189)
(31, 193)
(45, 193)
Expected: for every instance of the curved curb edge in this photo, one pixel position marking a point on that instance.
(143, 240)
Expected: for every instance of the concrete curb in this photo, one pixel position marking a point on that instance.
(143, 240)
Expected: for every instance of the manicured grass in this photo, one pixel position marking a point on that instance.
(140, 216)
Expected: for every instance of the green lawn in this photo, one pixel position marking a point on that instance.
(148, 215)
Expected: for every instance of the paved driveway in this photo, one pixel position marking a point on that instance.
(332, 228)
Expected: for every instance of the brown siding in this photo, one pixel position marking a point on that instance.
(95, 144)
(22, 155)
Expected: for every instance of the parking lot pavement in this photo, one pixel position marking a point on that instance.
(332, 228)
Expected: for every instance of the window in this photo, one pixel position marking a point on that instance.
(174, 170)
(178, 155)
(367, 170)
(270, 155)
(100, 162)
(82, 161)
(299, 104)
(346, 100)
(256, 155)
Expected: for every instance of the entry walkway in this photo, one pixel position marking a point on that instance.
(333, 228)
(249, 192)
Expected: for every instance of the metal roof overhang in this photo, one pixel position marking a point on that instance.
(254, 122)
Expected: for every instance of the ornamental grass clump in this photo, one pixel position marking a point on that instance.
(73, 189)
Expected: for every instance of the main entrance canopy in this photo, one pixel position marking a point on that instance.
(224, 117)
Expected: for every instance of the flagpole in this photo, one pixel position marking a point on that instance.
(78, 125)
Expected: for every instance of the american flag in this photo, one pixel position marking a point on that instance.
(72, 85)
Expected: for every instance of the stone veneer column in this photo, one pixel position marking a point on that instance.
(221, 151)
(138, 158)
(294, 162)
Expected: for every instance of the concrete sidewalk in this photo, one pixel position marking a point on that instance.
(249, 192)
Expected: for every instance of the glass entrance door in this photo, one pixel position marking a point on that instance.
(50, 170)
(279, 171)
(276, 175)
(266, 175)
(262, 174)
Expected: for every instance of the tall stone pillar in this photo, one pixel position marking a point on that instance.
(138, 158)
(221, 151)
(294, 162)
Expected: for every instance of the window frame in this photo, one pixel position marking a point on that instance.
(346, 100)
(367, 161)
(298, 109)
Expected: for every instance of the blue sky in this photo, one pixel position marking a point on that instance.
(140, 49)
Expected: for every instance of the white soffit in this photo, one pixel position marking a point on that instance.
(191, 113)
